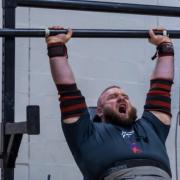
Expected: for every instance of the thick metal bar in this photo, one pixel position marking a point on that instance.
(12, 150)
(31, 126)
(86, 33)
(98, 6)
(16, 128)
(8, 81)
(8, 173)
(1, 144)
(8, 66)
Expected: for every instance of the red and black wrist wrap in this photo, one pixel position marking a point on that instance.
(159, 96)
(164, 49)
(57, 49)
(72, 103)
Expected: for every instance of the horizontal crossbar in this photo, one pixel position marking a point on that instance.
(85, 33)
(98, 6)
(16, 128)
(31, 126)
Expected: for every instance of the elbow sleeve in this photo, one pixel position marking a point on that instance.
(72, 103)
(159, 96)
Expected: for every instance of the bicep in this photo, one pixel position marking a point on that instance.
(71, 120)
(77, 129)
(158, 122)
(164, 118)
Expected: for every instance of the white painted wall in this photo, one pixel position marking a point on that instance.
(96, 63)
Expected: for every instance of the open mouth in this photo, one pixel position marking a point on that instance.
(122, 108)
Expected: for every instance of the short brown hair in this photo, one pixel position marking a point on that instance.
(110, 87)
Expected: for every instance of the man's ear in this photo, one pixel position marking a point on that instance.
(99, 112)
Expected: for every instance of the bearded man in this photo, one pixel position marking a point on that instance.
(115, 145)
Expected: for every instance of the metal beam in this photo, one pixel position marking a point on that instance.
(31, 126)
(111, 7)
(12, 150)
(86, 33)
(15, 133)
(8, 82)
(16, 128)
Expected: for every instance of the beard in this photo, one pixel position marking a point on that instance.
(111, 116)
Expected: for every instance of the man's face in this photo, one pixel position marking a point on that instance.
(115, 107)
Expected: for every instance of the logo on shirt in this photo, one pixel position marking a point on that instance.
(127, 134)
(135, 149)
(130, 139)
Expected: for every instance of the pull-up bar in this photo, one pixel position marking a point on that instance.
(98, 6)
(85, 33)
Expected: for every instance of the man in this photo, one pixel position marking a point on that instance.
(116, 145)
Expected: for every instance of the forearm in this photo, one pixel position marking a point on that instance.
(158, 99)
(72, 102)
(164, 68)
(61, 70)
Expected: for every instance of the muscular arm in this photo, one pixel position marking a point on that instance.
(164, 70)
(61, 70)
(62, 74)
(72, 103)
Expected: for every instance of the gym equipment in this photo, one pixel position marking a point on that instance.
(85, 33)
(11, 133)
(99, 6)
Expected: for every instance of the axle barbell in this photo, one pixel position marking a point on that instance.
(85, 33)
(99, 6)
